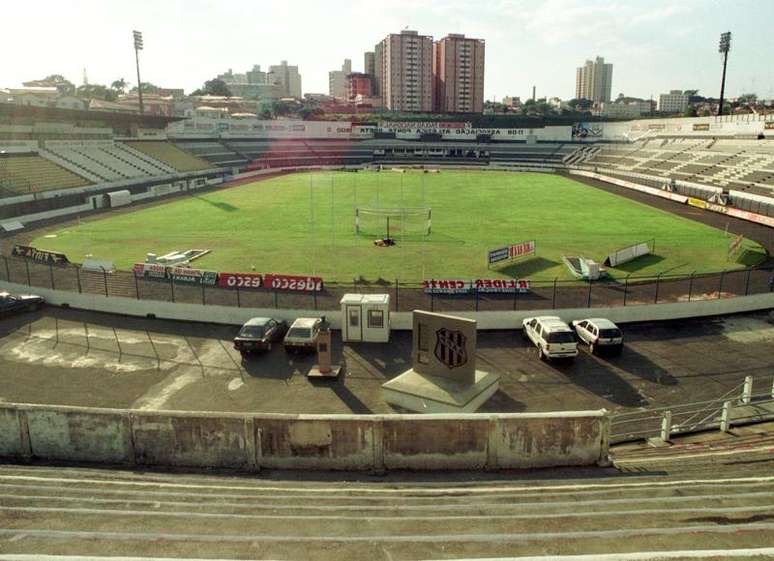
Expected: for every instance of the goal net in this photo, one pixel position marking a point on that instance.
(393, 222)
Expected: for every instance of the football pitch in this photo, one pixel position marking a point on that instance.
(304, 224)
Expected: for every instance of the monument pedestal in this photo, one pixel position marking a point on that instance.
(424, 393)
(331, 371)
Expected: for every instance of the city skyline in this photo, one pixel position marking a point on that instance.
(665, 47)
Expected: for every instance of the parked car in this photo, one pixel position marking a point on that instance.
(258, 334)
(10, 303)
(552, 337)
(599, 333)
(302, 335)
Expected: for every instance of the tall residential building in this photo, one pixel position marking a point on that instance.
(376, 83)
(406, 75)
(256, 75)
(287, 77)
(676, 101)
(369, 68)
(458, 69)
(369, 63)
(337, 80)
(594, 80)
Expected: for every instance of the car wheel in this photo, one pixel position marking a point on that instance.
(618, 350)
(541, 354)
(591, 348)
(268, 346)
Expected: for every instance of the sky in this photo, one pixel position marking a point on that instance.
(654, 45)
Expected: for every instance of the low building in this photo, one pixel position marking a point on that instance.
(359, 84)
(676, 101)
(337, 80)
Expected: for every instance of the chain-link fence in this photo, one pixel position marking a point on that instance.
(405, 296)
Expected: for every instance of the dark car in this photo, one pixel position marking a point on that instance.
(258, 334)
(10, 303)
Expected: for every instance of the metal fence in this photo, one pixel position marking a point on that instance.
(750, 401)
(542, 295)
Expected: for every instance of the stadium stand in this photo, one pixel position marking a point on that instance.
(742, 165)
(169, 154)
(213, 152)
(106, 160)
(25, 173)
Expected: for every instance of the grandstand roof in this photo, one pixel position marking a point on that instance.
(27, 114)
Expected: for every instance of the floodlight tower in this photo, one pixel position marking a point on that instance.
(723, 48)
(137, 49)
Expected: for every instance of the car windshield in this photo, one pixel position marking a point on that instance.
(561, 337)
(300, 332)
(609, 333)
(253, 331)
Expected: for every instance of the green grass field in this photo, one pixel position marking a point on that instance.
(304, 224)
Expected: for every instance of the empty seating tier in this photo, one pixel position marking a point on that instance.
(170, 155)
(20, 174)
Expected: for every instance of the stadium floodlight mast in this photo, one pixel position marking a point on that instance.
(137, 48)
(723, 48)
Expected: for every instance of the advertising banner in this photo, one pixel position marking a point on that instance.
(521, 249)
(293, 283)
(192, 276)
(240, 280)
(459, 286)
(499, 254)
(151, 271)
(40, 255)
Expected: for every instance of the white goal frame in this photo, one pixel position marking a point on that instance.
(401, 213)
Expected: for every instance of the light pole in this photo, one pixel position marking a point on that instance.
(723, 48)
(137, 49)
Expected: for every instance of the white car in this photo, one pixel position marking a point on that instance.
(302, 335)
(599, 333)
(552, 337)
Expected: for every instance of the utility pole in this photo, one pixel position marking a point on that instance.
(137, 48)
(723, 48)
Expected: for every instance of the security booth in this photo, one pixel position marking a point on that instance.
(365, 317)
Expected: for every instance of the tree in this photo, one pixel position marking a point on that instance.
(119, 86)
(217, 87)
(57, 81)
(705, 113)
(690, 111)
(747, 99)
(147, 88)
(265, 111)
(580, 104)
(96, 91)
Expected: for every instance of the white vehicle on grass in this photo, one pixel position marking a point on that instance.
(552, 337)
(598, 334)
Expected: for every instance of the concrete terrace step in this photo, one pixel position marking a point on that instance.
(84, 511)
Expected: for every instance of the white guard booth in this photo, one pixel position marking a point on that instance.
(365, 317)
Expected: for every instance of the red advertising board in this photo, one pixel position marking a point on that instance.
(240, 280)
(521, 249)
(293, 283)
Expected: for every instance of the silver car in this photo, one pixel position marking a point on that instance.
(599, 333)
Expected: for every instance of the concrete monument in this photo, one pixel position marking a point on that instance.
(444, 378)
(324, 368)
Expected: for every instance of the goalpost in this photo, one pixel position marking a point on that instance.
(383, 222)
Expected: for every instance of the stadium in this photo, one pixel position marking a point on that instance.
(310, 198)
(152, 239)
